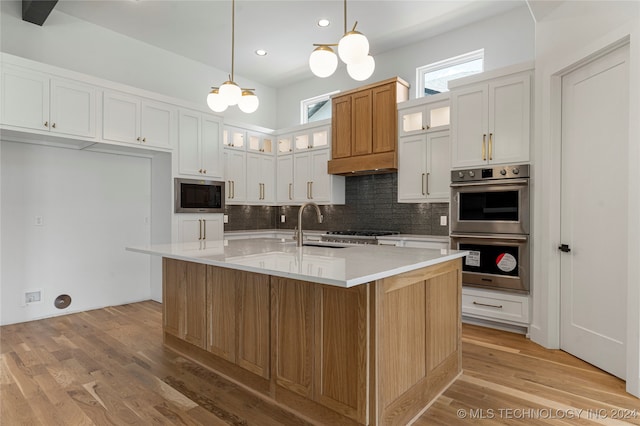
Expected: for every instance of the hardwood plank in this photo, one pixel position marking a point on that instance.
(110, 367)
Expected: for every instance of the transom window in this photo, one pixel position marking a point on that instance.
(433, 78)
(316, 108)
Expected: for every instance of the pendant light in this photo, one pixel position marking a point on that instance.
(353, 50)
(229, 93)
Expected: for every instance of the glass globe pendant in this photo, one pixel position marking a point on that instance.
(353, 47)
(230, 92)
(323, 61)
(248, 102)
(362, 70)
(215, 101)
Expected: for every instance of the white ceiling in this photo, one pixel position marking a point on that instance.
(201, 29)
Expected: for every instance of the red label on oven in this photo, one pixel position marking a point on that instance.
(506, 262)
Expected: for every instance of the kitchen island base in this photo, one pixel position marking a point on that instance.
(373, 354)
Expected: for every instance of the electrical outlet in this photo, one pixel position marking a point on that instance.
(39, 221)
(443, 221)
(32, 296)
(283, 218)
(225, 218)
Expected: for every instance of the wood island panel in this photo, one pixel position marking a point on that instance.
(374, 354)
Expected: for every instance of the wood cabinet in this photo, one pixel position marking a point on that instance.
(239, 318)
(364, 127)
(261, 175)
(190, 228)
(490, 121)
(321, 350)
(423, 168)
(36, 101)
(184, 300)
(200, 152)
(376, 353)
(134, 120)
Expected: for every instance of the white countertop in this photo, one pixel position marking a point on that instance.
(342, 267)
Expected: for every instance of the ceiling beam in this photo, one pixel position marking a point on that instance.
(37, 11)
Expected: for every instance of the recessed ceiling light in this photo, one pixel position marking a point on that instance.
(261, 52)
(323, 23)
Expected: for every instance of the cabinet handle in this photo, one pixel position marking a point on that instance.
(144, 140)
(53, 125)
(422, 181)
(204, 171)
(199, 229)
(290, 185)
(311, 190)
(425, 127)
(233, 189)
(229, 190)
(46, 124)
(486, 304)
(490, 146)
(427, 183)
(200, 171)
(484, 149)
(138, 138)
(204, 229)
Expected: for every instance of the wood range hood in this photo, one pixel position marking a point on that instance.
(364, 128)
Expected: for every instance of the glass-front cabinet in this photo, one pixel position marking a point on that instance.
(425, 114)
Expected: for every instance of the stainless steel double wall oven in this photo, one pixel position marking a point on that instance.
(490, 217)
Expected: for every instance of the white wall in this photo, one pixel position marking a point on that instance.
(92, 205)
(67, 42)
(507, 39)
(566, 36)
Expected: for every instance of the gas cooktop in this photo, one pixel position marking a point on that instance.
(363, 233)
(355, 236)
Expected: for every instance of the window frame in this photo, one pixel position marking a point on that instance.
(304, 104)
(445, 63)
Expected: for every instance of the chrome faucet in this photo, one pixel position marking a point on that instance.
(298, 236)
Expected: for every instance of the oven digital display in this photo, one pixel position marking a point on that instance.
(487, 173)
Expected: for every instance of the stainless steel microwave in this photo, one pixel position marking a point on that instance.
(198, 196)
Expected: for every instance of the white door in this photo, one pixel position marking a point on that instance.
(412, 168)
(284, 191)
(25, 98)
(121, 121)
(189, 147)
(211, 148)
(438, 175)
(157, 123)
(73, 108)
(595, 106)
(469, 126)
(301, 176)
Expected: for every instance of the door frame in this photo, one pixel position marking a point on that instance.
(545, 328)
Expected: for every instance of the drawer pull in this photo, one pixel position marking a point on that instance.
(486, 304)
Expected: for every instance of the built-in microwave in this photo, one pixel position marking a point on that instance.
(198, 196)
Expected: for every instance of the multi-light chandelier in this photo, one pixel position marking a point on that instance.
(229, 93)
(353, 49)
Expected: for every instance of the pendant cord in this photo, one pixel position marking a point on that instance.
(345, 16)
(233, 24)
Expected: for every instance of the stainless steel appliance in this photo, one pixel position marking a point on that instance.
(490, 217)
(198, 196)
(355, 237)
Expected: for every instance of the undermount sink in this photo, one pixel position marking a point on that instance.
(321, 245)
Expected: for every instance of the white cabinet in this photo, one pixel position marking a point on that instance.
(510, 308)
(285, 143)
(423, 168)
(313, 138)
(284, 179)
(37, 101)
(200, 152)
(234, 137)
(428, 113)
(261, 175)
(192, 227)
(235, 175)
(311, 181)
(134, 120)
(260, 142)
(490, 121)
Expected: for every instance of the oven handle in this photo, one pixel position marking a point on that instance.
(492, 182)
(491, 237)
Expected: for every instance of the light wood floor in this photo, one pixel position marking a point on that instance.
(108, 366)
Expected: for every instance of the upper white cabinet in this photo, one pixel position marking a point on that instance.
(423, 168)
(284, 179)
(261, 177)
(37, 101)
(312, 182)
(235, 175)
(135, 120)
(424, 114)
(260, 142)
(200, 151)
(490, 120)
(234, 137)
(313, 138)
(285, 143)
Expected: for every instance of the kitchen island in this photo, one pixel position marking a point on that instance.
(355, 335)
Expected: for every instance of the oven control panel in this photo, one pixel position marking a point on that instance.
(491, 173)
